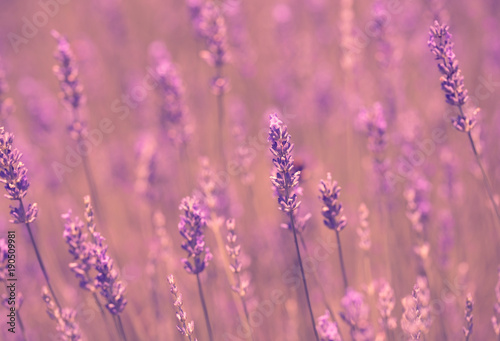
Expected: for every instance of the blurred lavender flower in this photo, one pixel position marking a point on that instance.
(446, 237)
(363, 231)
(6, 105)
(332, 210)
(356, 314)
(495, 319)
(13, 175)
(67, 328)
(416, 319)
(191, 227)
(71, 89)
(385, 306)
(174, 113)
(4, 258)
(244, 154)
(80, 249)
(110, 287)
(373, 123)
(467, 329)
(212, 28)
(327, 329)
(233, 250)
(146, 182)
(194, 7)
(185, 328)
(452, 81)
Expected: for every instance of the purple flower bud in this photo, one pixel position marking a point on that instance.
(467, 329)
(356, 314)
(67, 328)
(327, 330)
(185, 328)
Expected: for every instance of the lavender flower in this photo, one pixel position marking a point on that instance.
(67, 328)
(6, 105)
(328, 330)
(110, 287)
(233, 250)
(452, 81)
(385, 306)
(4, 258)
(71, 89)
(363, 230)
(212, 28)
(191, 227)
(467, 329)
(174, 113)
(356, 314)
(332, 209)
(416, 319)
(185, 328)
(285, 180)
(495, 319)
(13, 174)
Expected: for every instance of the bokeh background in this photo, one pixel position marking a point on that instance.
(319, 64)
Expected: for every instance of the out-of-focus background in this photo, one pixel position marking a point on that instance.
(319, 64)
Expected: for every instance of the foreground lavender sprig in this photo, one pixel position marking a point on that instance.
(327, 329)
(356, 314)
(333, 215)
(185, 328)
(285, 182)
(452, 83)
(468, 321)
(191, 227)
(13, 174)
(67, 328)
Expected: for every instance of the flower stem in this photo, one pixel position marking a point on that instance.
(292, 223)
(221, 118)
(341, 258)
(39, 258)
(120, 328)
(205, 312)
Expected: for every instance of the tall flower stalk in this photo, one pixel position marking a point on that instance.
(452, 83)
(285, 181)
(191, 227)
(334, 219)
(73, 98)
(13, 174)
(67, 328)
(468, 320)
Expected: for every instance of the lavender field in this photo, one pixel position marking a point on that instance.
(250, 170)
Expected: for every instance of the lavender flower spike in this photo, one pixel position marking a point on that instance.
(110, 287)
(328, 330)
(191, 227)
(185, 328)
(285, 182)
(67, 328)
(67, 74)
(332, 209)
(356, 314)
(467, 329)
(80, 249)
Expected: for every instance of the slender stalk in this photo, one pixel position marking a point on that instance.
(486, 180)
(120, 328)
(39, 258)
(318, 283)
(92, 186)
(205, 312)
(21, 326)
(221, 117)
(292, 223)
(341, 258)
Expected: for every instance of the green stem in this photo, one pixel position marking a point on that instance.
(341, 258)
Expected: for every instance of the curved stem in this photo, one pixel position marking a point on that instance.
(39, 257)
(205, 312)
(341, 258)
